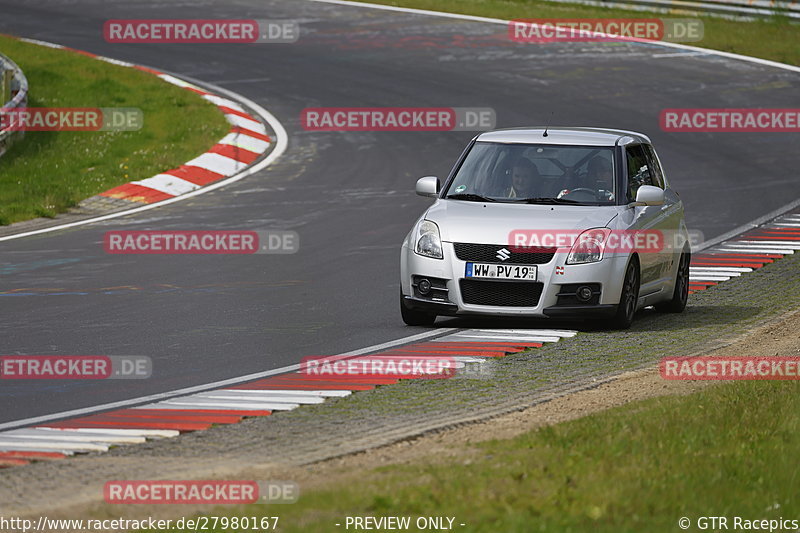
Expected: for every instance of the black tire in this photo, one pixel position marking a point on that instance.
(680, 295)
(413, 317)
(629, 298)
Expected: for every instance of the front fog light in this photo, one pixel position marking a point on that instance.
(584, 293)
(429, 243)
(424, 286)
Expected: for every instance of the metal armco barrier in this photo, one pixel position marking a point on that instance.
(13, 94)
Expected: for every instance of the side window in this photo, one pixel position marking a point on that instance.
(638, 170)
(658, 174)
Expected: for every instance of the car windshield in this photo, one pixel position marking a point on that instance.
(536, 173)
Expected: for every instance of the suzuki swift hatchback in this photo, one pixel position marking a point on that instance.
(555, 222)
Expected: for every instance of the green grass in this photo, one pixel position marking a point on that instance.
(48, 172)
(775, 38)
(728, 450)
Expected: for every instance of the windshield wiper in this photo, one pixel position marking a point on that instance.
(547, 201)
(470, 197)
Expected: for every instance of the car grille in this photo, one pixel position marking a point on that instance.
(501, 293)
(517, 255)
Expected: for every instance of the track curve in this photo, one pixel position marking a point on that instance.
(349, 195)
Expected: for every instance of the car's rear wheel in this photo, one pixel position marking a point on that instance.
(629, 297)
(681, 293)
(413, 317)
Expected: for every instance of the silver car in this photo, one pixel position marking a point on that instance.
(548, 222)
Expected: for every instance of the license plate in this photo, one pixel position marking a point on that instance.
(489, 270)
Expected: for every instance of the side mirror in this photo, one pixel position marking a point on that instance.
(650, 195)
(428, 186)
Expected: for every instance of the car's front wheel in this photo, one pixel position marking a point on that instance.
(412, 317)
(629, 298)
(681, 293)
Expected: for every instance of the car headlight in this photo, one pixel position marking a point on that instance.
(588, 248)
(428, 242)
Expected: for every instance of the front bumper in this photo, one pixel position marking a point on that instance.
(608, 273)
(438, 308)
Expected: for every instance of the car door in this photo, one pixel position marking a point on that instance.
(640, 171)
(671, 216)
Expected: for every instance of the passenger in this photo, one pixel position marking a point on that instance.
(525, 180)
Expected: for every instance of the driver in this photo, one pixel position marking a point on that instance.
(524, 179)
(599, 178)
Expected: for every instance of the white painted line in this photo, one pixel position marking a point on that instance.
(222, 404)
(729, 273)
(784, 225)
(757, 223)
(77, 437)
(708, 278)
(245, 142)
(679, 54)
(41, 43)
(469, 359)
(228, 395)
(115, 61)
(64, 443)
(170, 407)
(677, 46)
(404, 340)
(745, 248)
(510, 338)
(219, 101)
(242, 122)
(720, 269)
(168, 184)
(751, 246)
(149, 433)
(34, 449)
(300, 392)
(539, 332)
(205, 387)
(281, 142)
(777, 244)
(751, 249)
(44, 445)
(179, 82)
(217, 163)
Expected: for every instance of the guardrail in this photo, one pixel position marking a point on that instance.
(725, 8)
(13, 94)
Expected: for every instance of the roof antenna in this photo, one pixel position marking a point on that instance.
(545, 128)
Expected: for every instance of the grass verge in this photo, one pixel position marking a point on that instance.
(48, 172)
(775, 38)
(640, 467)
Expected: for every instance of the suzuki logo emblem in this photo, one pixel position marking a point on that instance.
(503, 254)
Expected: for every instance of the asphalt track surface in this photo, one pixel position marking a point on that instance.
(349, 195)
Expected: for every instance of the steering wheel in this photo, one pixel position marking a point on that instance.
(581, 189)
